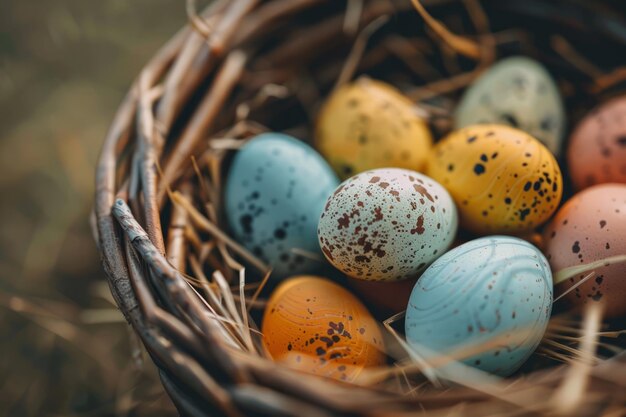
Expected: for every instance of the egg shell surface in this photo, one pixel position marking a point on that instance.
(384, 297)
(275, 192)
(596, 152)
(517, 92)
(488, 300)
(502, 179)
(369, 124)
(387, 224)
(320, 327)
(591, 226)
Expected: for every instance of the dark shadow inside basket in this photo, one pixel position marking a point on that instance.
(306, 52)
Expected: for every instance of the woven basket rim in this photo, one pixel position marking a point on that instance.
(202, 374)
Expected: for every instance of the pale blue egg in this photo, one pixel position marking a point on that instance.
(275, 193)
(519, 92)
(486, 302)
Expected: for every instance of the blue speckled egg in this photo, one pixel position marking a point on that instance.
(519, 92)
(387, 224)
(275, 192)
(486, 302)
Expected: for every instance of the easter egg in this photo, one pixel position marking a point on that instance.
(518, 92)
(591, 226)
(502, 179)
(384, 297)
(369, 124)
(274, 195)
(387, 224)
(485, 303)
(597, 148)
(317, 326)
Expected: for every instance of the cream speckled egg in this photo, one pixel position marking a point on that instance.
(369, 124)
(502, 179)
(387, 224)
(518, 92)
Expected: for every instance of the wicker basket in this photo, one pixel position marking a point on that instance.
(245, 64)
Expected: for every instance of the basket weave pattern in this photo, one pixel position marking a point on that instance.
(204, 82)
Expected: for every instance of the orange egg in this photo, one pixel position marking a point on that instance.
(315, 325)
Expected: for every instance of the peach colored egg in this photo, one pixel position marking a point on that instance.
(591, 226)
(315, 325)
(597, 148)
(386, 296)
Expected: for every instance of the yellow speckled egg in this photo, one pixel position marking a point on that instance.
(502, 179)
(315, 325)
(369, 124)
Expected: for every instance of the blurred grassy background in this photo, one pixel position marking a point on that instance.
(64, 67)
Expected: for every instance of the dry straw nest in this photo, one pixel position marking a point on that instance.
(246, 66)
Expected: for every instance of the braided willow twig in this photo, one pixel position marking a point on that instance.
(160, 170)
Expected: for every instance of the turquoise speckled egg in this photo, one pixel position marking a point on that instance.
(387, 224)
(518, 92)
(275, 193)
(486, 303)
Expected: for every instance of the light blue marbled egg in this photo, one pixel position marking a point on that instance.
(489, 299)
(518, 92)
(275, 192)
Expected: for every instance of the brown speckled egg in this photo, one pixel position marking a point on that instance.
(315, 325)
(502, 179)
(369, 124)
(591, 226)
(387, 224)
(597, 148)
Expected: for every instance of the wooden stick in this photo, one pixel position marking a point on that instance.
(203, 119)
